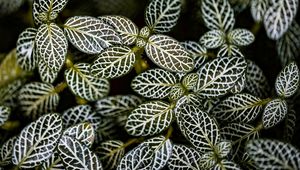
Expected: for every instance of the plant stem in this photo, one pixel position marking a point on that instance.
(80, 101)
(264, 101)
(60, 87)
(169, 133)
(132, 141)
(9, 125)
(255, 28)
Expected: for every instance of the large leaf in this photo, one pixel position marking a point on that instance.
(238, 108)
(37, 141)
(47, 74)
(200, 129)
(113, 62)
(240, 37)
(76, 155)
(287, 81)
(272, 154)
(279, 17)
(117, 105)
(274, 112)
(89, 34)
(127, 30)
(38, 98)
(51, 46)
(6, 151)
(4, 114)
(197, 52)
(213, 39)
(167, 53)
(154, 83)
(26, 57)
(184, 158)
(149, 118)
(258, 9)
(218, 14)
(239, 85)
(84, 85)
(162, 15)
(53, 163)
(217, 77)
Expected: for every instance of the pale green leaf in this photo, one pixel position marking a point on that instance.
(6, 151)
(240, 37)
(213, 39)
(47, 74)
(275, 111)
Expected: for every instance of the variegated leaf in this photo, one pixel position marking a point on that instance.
(190, 81)
(229, 50)
(239, 85)
(90, 35)
(8, 7)
(209, 104)
(51, 46)
(162, 15)
(184, 158)
(154, 83)
(242, 108)
(53, 163)
(110, 153)
(38, 98)
(76, 155)
(272, 154)
(217, 77)
(207, 160)
(258, 9)
(239, 5)
(240, 37)
(25, 52)
(113, 62)
(187, 99)
(226, 164)
(287, 81)
(108, 129)
(47, 74)
(290, 124)
(223, 149)
(149, 118)
(9, 93)
(167, 53)
(37, 141)
(176, 92)
(4, 114)
(213, 39)
(218, 14)
(6, 151)
(279, 17)
(274, 112)
(197, 52)
(200, 129)
(127, 30)
(84, 85)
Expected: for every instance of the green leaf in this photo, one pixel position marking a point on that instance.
(4, 114)
(47, 74)
(149, 118)
(117, 105)
(184, 158)
(84, 85)
(25, 52)
(229, 50)
(223, 149)
(240, 37)
(113, 62)
(53, 163)
(6, 151)
(76, 155)
(154, 83)
(273, 154)
(217, 14)
(107, 129)
(287, 81)
(127, 30)
(213, 39)
(38, 98)
(218, 76)
(110, 153)
(90, 35)
(51, 46)
(239, 85)
(37, 141)
(242, 108)
(226, 164)
(197, 52)
(167, 53)
(190, 81)
(176, 92)
(258, 9)
(162, 15)
(191, 99)
(275, 111)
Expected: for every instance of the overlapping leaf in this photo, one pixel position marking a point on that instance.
(10, 92)
(26, 56)
(4, 114)
(229, 50)
(290, 124)
(240, 37)
(274, 112)
(239, 85)
(197, 52)
(107, 129)
(287, 81)
(268, 154)
(167, 53)
(217, 77)
(53, 163)
(76, 155)
(90, 35)
(37, 141)
(190, 81)
(83, 84)
(225, 164)
(113, 62)
(6, 151)
(213, 39)
(176, 92)
(162, 15)
(38, 98)
(223, 149)
(47, 74)
(154, 83)
(127, 30)
(149, 118)
(258, 9)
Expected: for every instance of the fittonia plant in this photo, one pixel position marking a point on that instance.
(200, 105)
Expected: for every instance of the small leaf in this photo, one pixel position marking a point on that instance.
(213, 39)
(47, 74)
(37, 141)
(176, 92)
(225, 164)
(274, 112)
(154, 83)
(287, 81)
(258, 9)
(229, 50)
(4, 114)
(6, 151)
(113, 62)
(167, 53)
(89, 34)
(26, 56)
(190, 81)
(197, 52)
(162, 15)
(240, 37)
(84, 85)
(76, 155)
(149, 118)
(223, 149)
